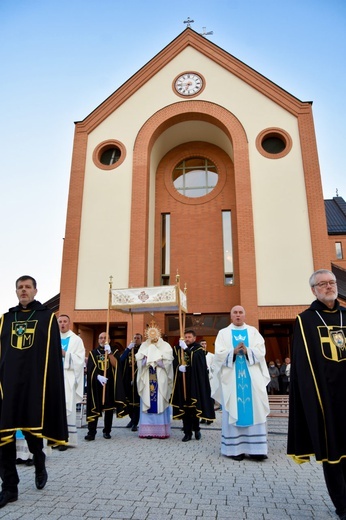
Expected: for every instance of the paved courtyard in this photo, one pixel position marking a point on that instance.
(140, 479)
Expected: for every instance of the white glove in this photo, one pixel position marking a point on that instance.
(182, 368)
(107, 348)
(131, 345)
(159, 363)
(103, 380)
(182, 344)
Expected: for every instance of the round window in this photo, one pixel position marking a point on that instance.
(274, 143)
(195, 177)
(109, 154)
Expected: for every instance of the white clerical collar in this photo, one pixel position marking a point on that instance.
(240, 327)
(65, 335)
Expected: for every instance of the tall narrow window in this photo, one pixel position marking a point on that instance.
(338, 250)
(227, 247)
(165, 248)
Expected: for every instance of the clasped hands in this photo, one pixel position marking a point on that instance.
(159, 362)
(240, 349)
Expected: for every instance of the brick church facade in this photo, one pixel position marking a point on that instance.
(200, 165)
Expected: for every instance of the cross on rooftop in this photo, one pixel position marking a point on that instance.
(188, 22)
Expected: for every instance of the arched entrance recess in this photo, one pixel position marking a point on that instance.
(150, 131)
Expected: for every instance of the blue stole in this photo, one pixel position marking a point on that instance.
(153, 390)
(243, 381)
(64, 345)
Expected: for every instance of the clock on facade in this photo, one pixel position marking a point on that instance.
(188, 84)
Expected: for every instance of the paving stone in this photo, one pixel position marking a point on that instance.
(127, 478)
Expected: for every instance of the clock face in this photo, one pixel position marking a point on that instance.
(188, 84)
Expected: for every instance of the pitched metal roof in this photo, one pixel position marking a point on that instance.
(336, 215)
(53, 303)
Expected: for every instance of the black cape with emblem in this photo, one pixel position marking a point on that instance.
(130, 383)
(32, 395)
(317, 418)
(196, 382)
(114, 393)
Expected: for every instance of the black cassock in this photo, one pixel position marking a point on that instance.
(197, 384)
(317, 417)
(114, 389)
(32, 394)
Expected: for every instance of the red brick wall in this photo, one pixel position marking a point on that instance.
(196, 231)
(200, 284)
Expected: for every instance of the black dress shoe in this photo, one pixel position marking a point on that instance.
(258, 457)
(198, 436)
(203, 421)
(237, 457)
(41, 478)
(106, 436)
(29, 462)
(89, 437)
(63, 447)
(129, 425)
(187, 437)
(8, 496)
(134, 428)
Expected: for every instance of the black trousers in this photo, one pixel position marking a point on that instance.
(8, 453)
(108, 421)
(190, 421)
(134, 414)
(335, 477)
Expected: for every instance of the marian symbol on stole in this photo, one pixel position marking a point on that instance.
(338, 338)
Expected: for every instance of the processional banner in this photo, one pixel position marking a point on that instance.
(149, 299)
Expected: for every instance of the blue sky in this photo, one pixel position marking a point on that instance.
(61, 58)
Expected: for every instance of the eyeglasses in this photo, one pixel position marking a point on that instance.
(322, 285)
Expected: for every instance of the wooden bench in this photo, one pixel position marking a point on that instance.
(278, 405)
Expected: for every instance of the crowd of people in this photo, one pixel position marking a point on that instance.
(279, 377)
(151, 381)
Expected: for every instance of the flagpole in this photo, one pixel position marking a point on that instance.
(107, 337)
(132, 354)
(181, 330)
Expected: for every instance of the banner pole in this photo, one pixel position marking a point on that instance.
(107, 336)
(181, 330)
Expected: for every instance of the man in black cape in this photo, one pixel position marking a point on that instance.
(317, 418)
(129, 364)
(114, 388)
(32, 397)
(191, 399)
